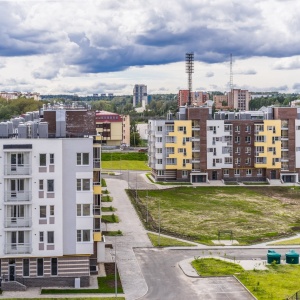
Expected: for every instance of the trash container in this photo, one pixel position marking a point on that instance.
(292, 257)
(273, 256)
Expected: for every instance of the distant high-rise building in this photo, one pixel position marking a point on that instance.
(140, 95)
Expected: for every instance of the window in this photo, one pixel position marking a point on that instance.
(50, 185)
(26, 267)
(237, 139)
(259, 172)
(82, 159)
(248, 161)
(40, 267)
(248, 172)
(248, 139)
(83, 235)
(159, 150)
(184, 173)
(43, 160)
(41, 235)
(51, 158)
(260, 138)
(248, 150)
(228, 160)
(226, 172)
(236, 172)
(159, 161)
(159, 139)
(51, 210)
(50, 237)
(238, 150)
(237, 161)
(41, 184)
(160, 172)
(83, 210)
(53, 266)
(43, 211)
(237, 128)
(159, 128)
(248, 128)
(83, 184)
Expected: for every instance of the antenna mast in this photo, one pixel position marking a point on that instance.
(189, 64)
(231, 73)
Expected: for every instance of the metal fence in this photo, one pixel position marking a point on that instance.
(296, 296)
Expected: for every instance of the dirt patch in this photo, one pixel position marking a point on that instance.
(110, 270)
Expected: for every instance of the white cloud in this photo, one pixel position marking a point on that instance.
(57, 44)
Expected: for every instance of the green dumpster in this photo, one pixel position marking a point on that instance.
(292, 257)
(273, 256)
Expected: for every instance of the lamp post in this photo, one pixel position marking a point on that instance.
(116, 277)
(147, 208)
(158, 221)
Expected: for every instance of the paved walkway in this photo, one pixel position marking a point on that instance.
(134, 235)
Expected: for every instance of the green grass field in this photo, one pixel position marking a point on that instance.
(165, 241)
(125, 165)
(278, 282)
(254, 214)
(291, 242)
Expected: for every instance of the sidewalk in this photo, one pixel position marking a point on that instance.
(134, 235)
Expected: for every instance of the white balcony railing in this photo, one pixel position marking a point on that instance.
(17, 169)
(14, 248)
(17, 196)
(17, 222)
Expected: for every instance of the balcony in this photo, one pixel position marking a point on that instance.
(97, 163)
(17, 196)
(17, 169)
(14, 248)
(17, 222)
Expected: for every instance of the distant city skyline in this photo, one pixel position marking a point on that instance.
(108, 46)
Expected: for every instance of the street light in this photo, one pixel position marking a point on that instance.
(158, 221)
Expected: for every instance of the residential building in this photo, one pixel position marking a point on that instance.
(16, 95)
(140, 96)
(51, 232)
(239, 99)
(112, 129)
(197, 98)
(221, 101)
(232, 146)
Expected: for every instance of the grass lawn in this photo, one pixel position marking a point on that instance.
(106, 199)
(125, 165)
(215, 267)
(254, 214)
(108, 209)
(279, 282)
(165, 242)
(295, 241)
(110, 218)
(105, 284)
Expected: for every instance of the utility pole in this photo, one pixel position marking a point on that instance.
(158, 221)
(147, 208)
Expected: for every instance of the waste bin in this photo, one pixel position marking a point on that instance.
(292, 257)
(273, 256)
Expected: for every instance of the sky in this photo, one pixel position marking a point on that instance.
(108, 46)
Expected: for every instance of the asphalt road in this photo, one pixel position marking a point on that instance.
(166, 280)
(134, 179)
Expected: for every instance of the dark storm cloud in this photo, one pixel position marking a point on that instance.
(108, 42)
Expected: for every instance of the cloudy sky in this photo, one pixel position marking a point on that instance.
(107, 46)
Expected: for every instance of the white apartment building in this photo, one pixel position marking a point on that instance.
(46, 211)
